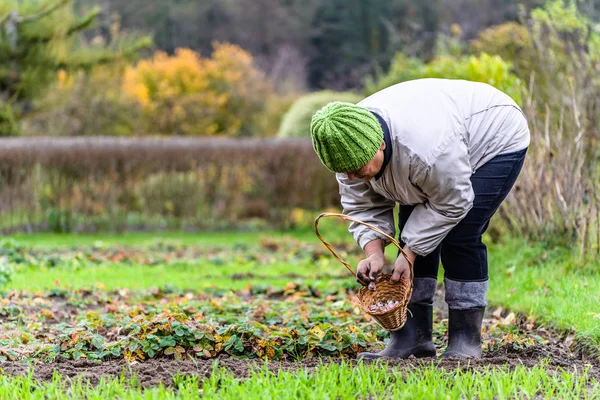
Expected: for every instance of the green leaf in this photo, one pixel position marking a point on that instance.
(328, 346)
(97, 343)
(167, 341)
(230, 342)
(239, 346)
(223, 329)
(169, 350)
(302, 340)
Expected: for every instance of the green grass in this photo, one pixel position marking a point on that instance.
(194, 277)
(138, 277)
(548, 284)
(331, 230)
(147, 238)
(343, 382)
(333, 381)
(197, 276)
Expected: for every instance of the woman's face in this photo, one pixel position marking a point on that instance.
(370, 169)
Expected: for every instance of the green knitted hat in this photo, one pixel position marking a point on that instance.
(345, 136)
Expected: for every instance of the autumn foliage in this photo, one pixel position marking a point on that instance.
(187, 94)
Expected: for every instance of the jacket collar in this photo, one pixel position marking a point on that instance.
(387, 152)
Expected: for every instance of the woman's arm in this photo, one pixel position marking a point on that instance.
(360, 201)
(447, 185)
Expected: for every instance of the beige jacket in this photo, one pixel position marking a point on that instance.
(442, 131)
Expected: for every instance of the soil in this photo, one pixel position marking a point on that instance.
(156, 371)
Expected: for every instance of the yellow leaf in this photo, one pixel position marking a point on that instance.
(318, 332)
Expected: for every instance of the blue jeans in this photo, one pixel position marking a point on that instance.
(462, 252)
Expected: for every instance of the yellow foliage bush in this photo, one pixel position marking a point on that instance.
(187, 94)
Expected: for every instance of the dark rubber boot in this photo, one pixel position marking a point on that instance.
(414, 338)
(464, 333)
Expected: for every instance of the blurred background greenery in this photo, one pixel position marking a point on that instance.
(226, 70)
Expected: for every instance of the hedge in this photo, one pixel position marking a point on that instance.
(102, 183)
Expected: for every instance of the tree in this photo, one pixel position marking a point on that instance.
(39, 38)
(352, 38)
(273, 31)
(475, 15)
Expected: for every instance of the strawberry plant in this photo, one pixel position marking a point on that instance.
(289, 321)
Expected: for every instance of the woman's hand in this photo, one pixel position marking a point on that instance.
(370, 267)
(401, 266)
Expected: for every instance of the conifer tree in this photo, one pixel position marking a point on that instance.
(38, 38)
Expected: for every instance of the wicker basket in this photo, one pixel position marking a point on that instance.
(393, 319)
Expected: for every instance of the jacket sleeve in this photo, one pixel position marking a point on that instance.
(447, 185)
(360, 201)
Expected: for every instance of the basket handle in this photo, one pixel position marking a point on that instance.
(347, 217)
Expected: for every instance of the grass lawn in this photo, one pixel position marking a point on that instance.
(147, 238)
(549, 284)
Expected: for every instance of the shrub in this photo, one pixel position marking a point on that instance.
(558, 197)
(296, 122)
(275, 111)
(512, 42)
(87, 104)
(486, 68)
(8, 124)
(186, 94)
(6, 272)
